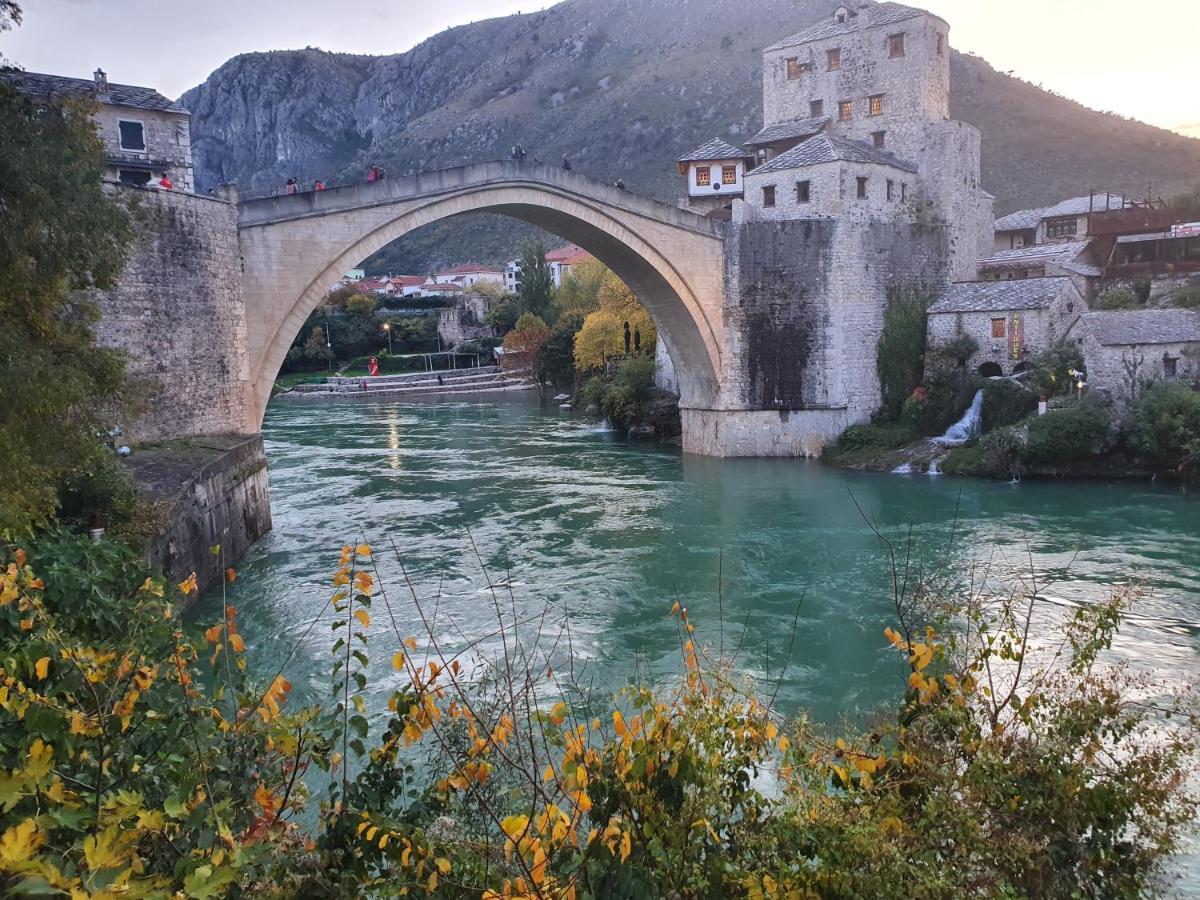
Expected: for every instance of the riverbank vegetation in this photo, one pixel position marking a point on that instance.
(1150, 429)
(139, 758)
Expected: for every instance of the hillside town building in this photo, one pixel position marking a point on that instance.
(146, 136)
(1124, 351)
(1005, 320)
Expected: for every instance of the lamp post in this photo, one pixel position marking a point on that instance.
(387, 326)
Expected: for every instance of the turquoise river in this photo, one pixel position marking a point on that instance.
(593, 538)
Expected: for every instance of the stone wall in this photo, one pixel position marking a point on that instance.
(167, 137)
(178, 313)
(1123, 371)
(206, 492)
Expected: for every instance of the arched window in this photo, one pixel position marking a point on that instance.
(991, 370)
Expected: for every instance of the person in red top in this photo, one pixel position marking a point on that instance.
(320, 186)
(165, 183)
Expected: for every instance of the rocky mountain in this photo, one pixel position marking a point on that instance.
(623, 87)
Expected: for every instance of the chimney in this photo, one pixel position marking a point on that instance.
(101, 82)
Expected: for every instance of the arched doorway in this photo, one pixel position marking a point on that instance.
(991, 370)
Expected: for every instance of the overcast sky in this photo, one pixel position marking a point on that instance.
(1114, 55)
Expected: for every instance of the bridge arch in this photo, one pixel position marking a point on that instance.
(295, 248)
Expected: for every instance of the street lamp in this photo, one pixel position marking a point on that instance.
(387, 326)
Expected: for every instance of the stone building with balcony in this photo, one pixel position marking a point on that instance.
(146, 136)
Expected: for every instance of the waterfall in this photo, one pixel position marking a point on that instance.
(966, 427)
(935, 466)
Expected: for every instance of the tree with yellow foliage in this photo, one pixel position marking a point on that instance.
(603, 334)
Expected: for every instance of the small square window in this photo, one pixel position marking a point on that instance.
(728, 174)
(891, 189)
(833, 59)
(998, 329)
(862, 187)
(1170, 367)
(1064, 226)
(132, 135)
(876, 104)
(703, 176)
(793, 69)
(941, 45)
(879, 138)
(803, 191)
(816, 108)
(769, 195)
(846, 110)
(896, 45)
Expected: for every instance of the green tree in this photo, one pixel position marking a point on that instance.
(537, 282)
(580, 291)
(1167, 427)
(901, 351)
(61, 235)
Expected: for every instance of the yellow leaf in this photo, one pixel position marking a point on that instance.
(236, 642)
(188, 586)
(784, 743)
(363, 550)
(397, 660)
(548, 775)
(772, 731)
(17, 844)
(411, 644)
(42, 667)
(364, 617)
(443, 865)
(231, 575)
(626, 846)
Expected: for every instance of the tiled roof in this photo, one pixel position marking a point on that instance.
(570, 255)
(1023, 220)
(1081, 206)
(714, 149)
(879, 14)
(39, 85)
(471, 269)
(1001, 296)
(1141, 326)
(826, 148)
(785, 131)
(1034, 253)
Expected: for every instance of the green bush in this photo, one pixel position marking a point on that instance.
(1118, 299)
(1001, 451)
(881, 436)
(1187, 296)
(951, 354)
(1049, 371)
(1062, 435)
(1141, 290)
(103, 487)
(622, 397)
(901, 351)
(1005, 402)
(1167, 427)
(941, 401)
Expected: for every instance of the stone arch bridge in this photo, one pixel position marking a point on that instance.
(295, 247)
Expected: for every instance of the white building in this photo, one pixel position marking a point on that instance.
(715, 174)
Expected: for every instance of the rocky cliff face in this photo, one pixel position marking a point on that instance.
(621, 86)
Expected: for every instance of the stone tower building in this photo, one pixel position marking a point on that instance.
(863, 187)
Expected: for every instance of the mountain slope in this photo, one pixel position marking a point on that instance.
(623, 87)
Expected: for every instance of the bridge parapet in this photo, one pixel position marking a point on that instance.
(285, 207)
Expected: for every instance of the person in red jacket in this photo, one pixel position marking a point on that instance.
(319, 186)
(165, 183)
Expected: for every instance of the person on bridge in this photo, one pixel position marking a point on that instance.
(626, 338)
(373, 175)
(291, 186)
(165, 183)
(566, 163)
(620, 185)
(319, 186)
(519, 153)
(637, 341)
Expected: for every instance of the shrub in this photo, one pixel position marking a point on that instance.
(1001, 451)
(137, 759)
(1141, 290)
(901, 351)
(103, 487)
(1187, 296)
(1005, 402)
(1062, 435)
(951, 354)
(1048, 372)
(622, 397)
(882, 436)
(361, 305)
(1167, 427)
(947, 395)
(1118, 299)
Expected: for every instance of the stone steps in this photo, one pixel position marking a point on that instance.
(467, 381)
(497, 387)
